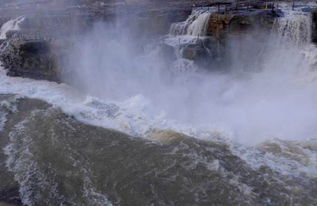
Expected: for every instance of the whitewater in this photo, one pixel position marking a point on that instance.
(130, 128)
(275, 102)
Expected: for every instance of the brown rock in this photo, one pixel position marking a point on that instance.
(235, 22)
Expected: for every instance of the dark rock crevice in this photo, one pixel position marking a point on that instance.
(31, 59)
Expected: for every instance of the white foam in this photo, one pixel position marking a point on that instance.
(295, 27)
(283, 164)
(3, 119)
(279, 101)
(6, 105)
(249, 109)
(20, 161)
(196, 24)
(11, 25)
(200, 25)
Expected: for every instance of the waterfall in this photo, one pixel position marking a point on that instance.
(195, 25)
(257, 110)
(295, 28)
(11, 25)
(199, 26)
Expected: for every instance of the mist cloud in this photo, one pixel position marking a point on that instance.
(266, 93)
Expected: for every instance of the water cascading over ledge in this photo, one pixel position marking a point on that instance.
(295, 27)
(195, 25)
(204, 37)
(56, 163)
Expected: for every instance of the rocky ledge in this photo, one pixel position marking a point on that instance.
(33, 53)
(37, 50)
(223, 27)
(30, 58)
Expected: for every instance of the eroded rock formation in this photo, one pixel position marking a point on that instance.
(221, 27)
(32, 59)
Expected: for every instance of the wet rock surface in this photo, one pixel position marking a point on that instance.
(30, 58)
(211, 49)
(101, 166)
(148, 19)
(10, 197)
(314, 29)
(235, 22)
(37, 49)
(157, 22)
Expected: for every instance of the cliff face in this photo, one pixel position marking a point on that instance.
(32, 59)
(235, 22)
(59, 21)
(49, 27)
(209, 47)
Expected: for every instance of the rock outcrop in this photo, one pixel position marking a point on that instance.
(314, 24)
(29, 58)
(36, 50)
(221, 27)
(157, 22)
(235, 22)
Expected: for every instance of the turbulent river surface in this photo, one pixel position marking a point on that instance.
(150, 136)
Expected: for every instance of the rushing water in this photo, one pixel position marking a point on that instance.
(267, 99)
(12, 25)
(269, 82)
(195, 25)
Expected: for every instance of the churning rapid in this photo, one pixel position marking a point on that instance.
(266, 91)
(251, 118)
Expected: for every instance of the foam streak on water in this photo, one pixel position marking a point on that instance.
(8, 106)
(26, 169)
(35, 182)
(2, 120)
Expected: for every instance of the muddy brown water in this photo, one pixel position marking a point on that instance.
(50, 158)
